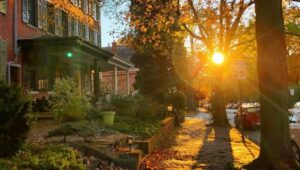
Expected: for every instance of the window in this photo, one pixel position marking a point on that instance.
(3, 59)
(3, 4)
(51, 18)
(29, 12)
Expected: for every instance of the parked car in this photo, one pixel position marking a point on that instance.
(295, 109)
(295, 134)
(247, 116)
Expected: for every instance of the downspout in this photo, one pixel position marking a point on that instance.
(15, 29)
(15, 44)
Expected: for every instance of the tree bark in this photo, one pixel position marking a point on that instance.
(218, 104)
(275, 146)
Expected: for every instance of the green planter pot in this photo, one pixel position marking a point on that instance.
(108, 117)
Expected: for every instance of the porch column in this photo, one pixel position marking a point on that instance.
(115, 80)
(96, 81)
(128, 82)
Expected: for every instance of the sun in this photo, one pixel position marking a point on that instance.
(218, 58)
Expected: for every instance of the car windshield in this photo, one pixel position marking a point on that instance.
(252, 109)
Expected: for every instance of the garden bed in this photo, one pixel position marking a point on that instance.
(147, 146)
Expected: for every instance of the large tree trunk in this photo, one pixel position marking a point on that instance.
(218, 105)
(275, 152)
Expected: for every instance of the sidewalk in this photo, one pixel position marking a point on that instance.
(195, 146)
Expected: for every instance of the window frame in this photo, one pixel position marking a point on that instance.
(4, 9)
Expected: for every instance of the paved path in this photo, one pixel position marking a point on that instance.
(196, 146)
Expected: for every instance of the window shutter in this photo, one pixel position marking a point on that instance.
(60, 24)
(95, 11)
(40, 20)
(99, 38)
(95, 38)
(3, 59)
(70, 31)
(86, 33)
(86, 6)
(56, 32)
(25, 11)
(44, 15)
(76, 27)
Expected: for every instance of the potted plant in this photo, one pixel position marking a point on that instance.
(108, 112)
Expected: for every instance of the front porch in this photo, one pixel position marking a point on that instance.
(48, 59)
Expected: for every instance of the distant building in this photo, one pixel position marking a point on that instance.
(126, 54)
(42, 41)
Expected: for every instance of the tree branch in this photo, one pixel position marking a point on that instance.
(291, 33)
(242, 43)
(202, 29)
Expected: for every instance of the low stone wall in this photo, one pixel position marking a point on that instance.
(167, 126)
(129, 160)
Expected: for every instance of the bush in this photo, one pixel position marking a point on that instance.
(55, 157)
(125, 106)
(136, 127)
(14, 119)
(139, 107)
(178, 100)
(148, 109)
(67, 103)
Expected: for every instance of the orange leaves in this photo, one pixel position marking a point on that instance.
(143, 29)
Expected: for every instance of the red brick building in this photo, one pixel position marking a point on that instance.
(44, 40)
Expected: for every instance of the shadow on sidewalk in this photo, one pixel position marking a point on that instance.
(216, 151)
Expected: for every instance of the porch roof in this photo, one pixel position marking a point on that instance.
(61, 45)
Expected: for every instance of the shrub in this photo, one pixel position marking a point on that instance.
(138, 106)
(125, 106)
(55, 157)
(67, 103)
(136, 127)
(148, 109)
(14, 120)
(178, 100)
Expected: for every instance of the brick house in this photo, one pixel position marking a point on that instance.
(42, 41)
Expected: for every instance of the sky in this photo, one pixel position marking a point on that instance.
(106, 25)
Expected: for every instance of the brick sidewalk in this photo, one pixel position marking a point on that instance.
(196, 146)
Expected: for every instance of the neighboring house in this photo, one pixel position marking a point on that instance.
(125, 78)
(42, 41)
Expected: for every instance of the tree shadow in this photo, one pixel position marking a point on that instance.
(216, 151)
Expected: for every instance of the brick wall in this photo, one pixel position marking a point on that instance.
(6, 28)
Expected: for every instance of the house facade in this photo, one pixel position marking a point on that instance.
(42, 41)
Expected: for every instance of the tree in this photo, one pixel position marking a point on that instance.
(157, 38)
(275, 146)
(216, 23)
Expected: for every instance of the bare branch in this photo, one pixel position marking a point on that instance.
(192, 33)
(242, 43)
(202, 29)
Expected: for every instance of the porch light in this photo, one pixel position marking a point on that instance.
(69, 54)
(170, 108)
